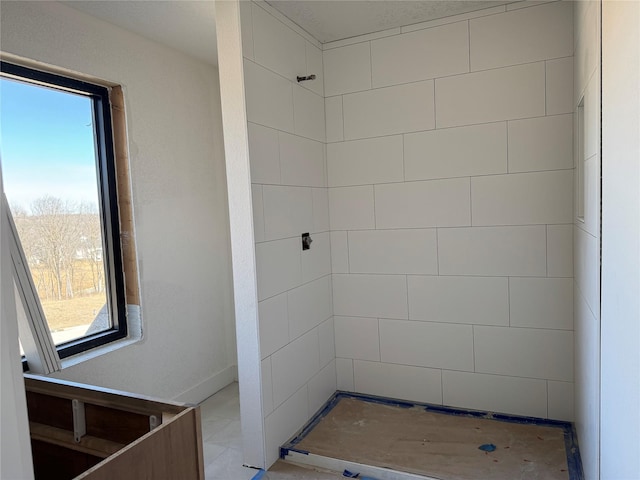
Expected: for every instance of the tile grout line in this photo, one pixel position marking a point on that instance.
(435, 129)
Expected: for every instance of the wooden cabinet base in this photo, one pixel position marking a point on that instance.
(91, 433)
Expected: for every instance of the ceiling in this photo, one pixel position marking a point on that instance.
(328, 21)
(189, 25)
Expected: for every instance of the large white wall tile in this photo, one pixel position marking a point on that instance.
(357, 337)
(393, 251)
(284, 421)
(494, 251)
(592, 195)
(362, 162)
(370, 296)
(351, 208)
(316, 262)
(326, 340)
(432, 203)
(267, 387)
(276, 46)
(314, 67)
(560, 398)
(258, 213)
(456, 152)
(288, 211)
(522, 198)
(294, 365)
(333, 119)
(544, 143)
(264, 154)
(559, 74)
(339, 252)
(322, 387)
(522, 36)
(524, 352)
(592, 118)
(541, 302)
(516, 396)
(347, 69)
(390, 110)
(274, 324)
(473, 300)
(320, 197)
(404, 382)
(277, 266)
(421, 55)
(308, 114)
(247, 29)
(490, 96)
(308, 306)
(587, 381)
(560, 250)
(269, 97)
(587, 45)
(301, 161)
(344, 371)
(586, 262)
(436, 345)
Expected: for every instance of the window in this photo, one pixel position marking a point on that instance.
(59, 172)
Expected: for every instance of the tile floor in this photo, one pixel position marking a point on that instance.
(222, 443)
(221, 437)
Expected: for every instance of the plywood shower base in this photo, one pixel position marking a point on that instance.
(382, 438)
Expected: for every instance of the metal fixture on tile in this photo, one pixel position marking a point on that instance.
(306, 241)
(304, 79)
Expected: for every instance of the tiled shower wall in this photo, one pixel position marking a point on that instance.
(587, 234)
(450, 176)
(289, 188)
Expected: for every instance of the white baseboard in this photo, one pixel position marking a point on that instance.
(209, 386)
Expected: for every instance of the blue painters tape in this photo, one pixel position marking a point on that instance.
(284, 451)
(259, 475)
(349, 474)
(487, 447)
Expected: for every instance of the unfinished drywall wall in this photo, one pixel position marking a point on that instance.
(620, 329)
(286, 135)
(450, 179)
(179, 197)
(586, 232)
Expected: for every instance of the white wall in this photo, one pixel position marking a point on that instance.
(286, 134)
(620, 390)
(586, 236)
(179, 198)
(450, 189)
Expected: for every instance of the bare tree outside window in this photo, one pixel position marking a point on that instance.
(52, 184)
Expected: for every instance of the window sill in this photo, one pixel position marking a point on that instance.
(134, 328)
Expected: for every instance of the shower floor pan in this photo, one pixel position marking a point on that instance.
(393, 440)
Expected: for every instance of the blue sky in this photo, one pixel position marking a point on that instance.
(46, 144)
